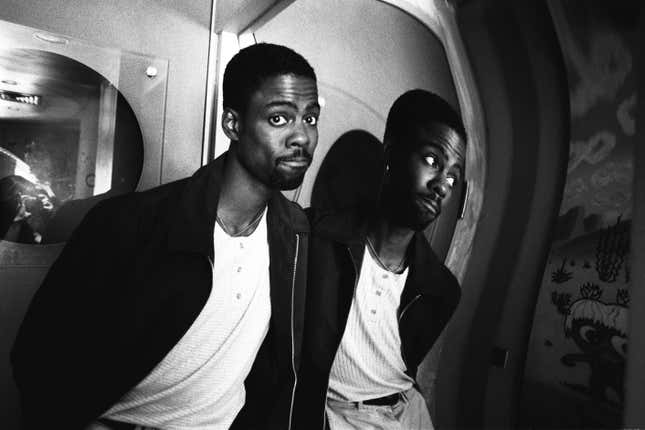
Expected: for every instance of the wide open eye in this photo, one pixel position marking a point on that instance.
(432, 161)
(277, 120)
(311, 120)
(451, 181)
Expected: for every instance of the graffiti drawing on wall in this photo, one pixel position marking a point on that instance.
(576, 356)
(593, 317)
(599, 330)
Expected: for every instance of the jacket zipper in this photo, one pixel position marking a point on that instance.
(293, 347)
(401, 317)
(293, 358)
(341, 339)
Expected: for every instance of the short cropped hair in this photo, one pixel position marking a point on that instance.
(250, 67)
(417, 107)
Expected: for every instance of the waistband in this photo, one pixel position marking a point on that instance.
(108, 424)
(387, 400)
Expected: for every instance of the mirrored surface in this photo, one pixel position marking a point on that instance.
(68, 138)
(79, 122)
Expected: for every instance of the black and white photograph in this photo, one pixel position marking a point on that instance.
(322, 214)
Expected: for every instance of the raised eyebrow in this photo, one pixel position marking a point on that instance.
(313, 105)
(443, 151)
(280, 103)
(292, 105)
(438, 148)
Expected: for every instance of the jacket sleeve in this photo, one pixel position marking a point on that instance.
(58, 338)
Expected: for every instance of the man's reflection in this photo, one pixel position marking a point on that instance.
(377, 295)
(25, 209)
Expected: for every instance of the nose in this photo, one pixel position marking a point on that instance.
(439, 185)
(299, 136)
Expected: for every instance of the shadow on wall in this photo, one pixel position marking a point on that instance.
(351, 173)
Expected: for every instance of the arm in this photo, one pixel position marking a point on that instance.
(59, 338)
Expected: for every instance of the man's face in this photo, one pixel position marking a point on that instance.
(278, 132)
(422, 178)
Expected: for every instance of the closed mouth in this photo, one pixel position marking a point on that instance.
(296, 163)
(432, 205)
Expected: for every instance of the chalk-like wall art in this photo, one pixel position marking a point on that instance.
(576, 355)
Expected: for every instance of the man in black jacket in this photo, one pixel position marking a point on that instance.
(183, 306)
(378, 297)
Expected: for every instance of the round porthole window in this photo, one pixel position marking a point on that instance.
(68, 139)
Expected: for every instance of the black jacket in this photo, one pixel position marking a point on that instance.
(337, 244)
(129, 284)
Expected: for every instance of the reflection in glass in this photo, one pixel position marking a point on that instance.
(25, 208)
(68, 139)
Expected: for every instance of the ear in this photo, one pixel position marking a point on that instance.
(231, 124)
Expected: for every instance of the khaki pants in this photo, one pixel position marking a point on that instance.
(112, 425)
(409, 413)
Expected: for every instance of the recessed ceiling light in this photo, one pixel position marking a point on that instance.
(51, 38)
(9, 82)
(10, 96)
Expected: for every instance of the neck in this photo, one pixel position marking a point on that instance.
(390, 241)
(242, 196)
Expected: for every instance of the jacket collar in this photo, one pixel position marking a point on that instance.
(193, 218)
(191, 231)
(426, 275)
